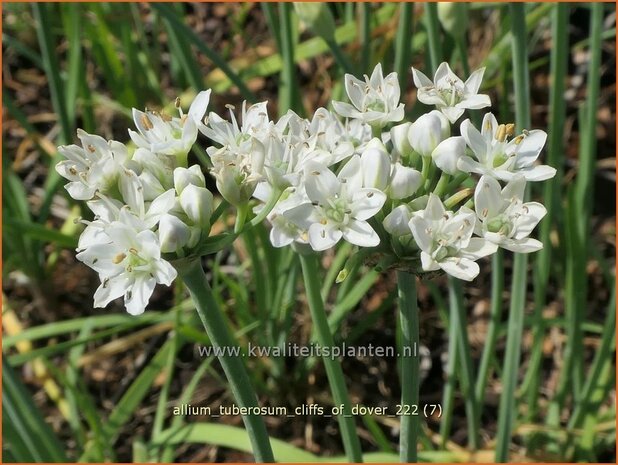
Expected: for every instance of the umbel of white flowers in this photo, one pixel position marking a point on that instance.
(407, 191)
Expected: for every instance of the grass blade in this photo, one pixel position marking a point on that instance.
(507, 410)
(167, 12)
(403, 43)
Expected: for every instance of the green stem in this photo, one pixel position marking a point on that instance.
(507, 410)
(551, 195)
(288, 96)
(442, 183)
(425, 170)
(311, 274)
(408, 314)
(448, 395)
(270, 204)
(466, 377)
(241, 216)
(218, 332)
(497, 287)
(403, 43)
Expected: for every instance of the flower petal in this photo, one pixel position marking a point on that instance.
(477, 248)
(322, 237)
(366, 203)
(198, 107)
(526, 245)
(361, 233)
(473, 83)
(137, 297)
(461, 268)
(420, 80)
(488, 200)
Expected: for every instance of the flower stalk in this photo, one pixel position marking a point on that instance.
(408, 316)
(213, 320)
(351, 443)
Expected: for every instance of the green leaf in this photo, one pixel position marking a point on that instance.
(25, 435)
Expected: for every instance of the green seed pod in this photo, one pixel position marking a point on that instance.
(454, 18)
(318, 17)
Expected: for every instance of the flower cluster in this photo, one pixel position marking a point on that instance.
(408, 191)
(146, 204)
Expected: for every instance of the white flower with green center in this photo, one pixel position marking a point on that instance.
(339, 207)
(504, 218)
(165, 135)
(497, 156)
(375, 101)
(129, 263)
(450, 94)
(93, 167)
(446, 242)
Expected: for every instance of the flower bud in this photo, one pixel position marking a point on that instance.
(404, 181)
(197, 203)
(173, 233)
(396, 222)
(448, 152)
(376, 168)
(186, 176)
(318, 17)
(399, 139)
(428, 131)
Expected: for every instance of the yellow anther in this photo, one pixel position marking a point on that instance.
(118, 258)
(501, 133)
(146, 122)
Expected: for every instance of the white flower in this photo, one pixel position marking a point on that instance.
(504, 218)
(449, 93)
(147, 212)
(375, 101)
(428, 131)
(170, 136)
(254, 124)
(154, 171)
(330, 135)
(237, 174)
(446, 241)
(340, 206)
(94, 167)
(289, 224)
(129, 264)
(501, 158)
